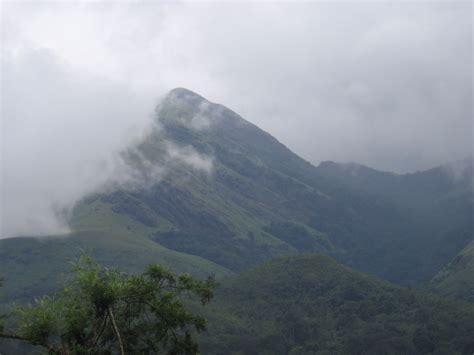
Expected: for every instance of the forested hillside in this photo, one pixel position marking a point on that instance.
(439, 203)
(310, 304)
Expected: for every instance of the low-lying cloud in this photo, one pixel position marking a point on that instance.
(61, 136)
(384, 84)
(64, 137)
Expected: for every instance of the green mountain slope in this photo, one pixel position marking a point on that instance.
(36, 266)
(261, 201)
(457, 278)
(438, 202)
(255, 201)
(310, 304)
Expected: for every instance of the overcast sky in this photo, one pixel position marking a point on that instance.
(385, 84)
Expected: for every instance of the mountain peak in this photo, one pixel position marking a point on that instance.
(186, 95)
(184, 106)
(181, 105)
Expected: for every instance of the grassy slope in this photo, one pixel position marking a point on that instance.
(457, 278)
(258, 185)
(310, 304)
(35, 266)
(259, 190)
(223, 216)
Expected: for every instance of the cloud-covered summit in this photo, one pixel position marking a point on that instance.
(55, 155)
(388, 85)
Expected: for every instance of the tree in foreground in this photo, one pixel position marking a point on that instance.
(102, 310)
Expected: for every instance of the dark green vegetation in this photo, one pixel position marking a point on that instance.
(310, 304)
(102, 310)
(456, 279)
(438, 204)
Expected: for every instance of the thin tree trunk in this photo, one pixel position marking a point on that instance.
(101, 330)
(117, 333)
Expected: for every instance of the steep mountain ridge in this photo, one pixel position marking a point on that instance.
(257, 191)
(220, 195)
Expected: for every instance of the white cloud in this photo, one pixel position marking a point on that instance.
(60, 132)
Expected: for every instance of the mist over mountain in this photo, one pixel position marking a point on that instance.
(371, 83)
(206, 183)
(305, 170)
(206, 192)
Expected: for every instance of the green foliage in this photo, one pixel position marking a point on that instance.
(103, 310)
(310, 304)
